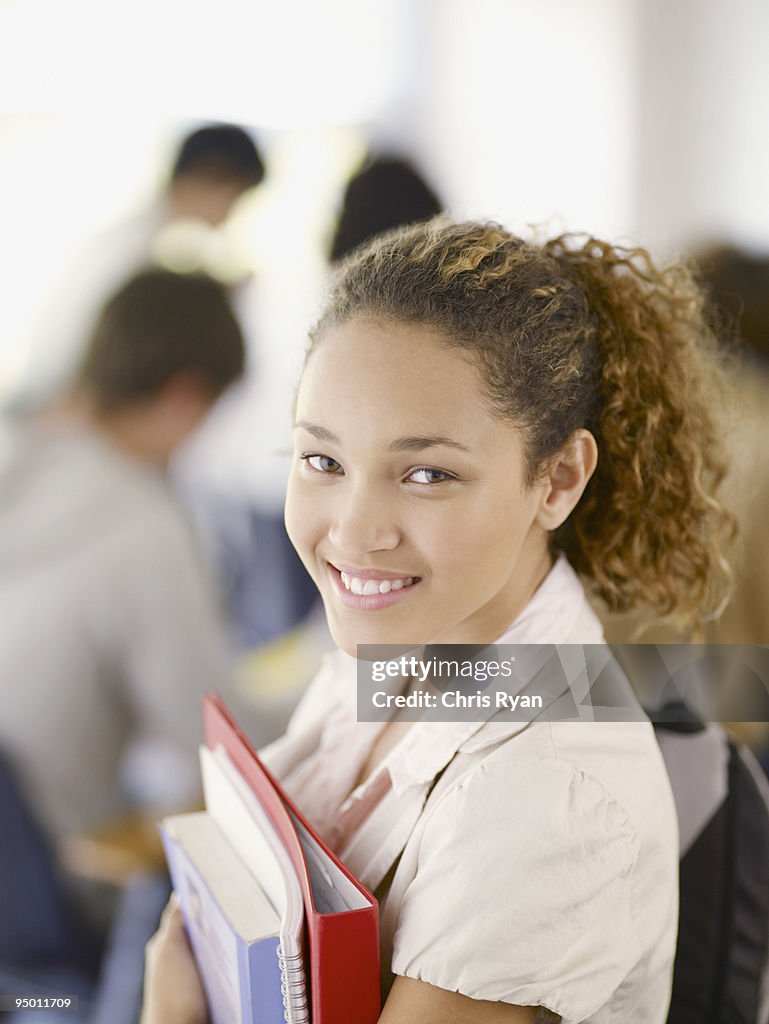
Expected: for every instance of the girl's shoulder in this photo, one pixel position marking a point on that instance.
(564, 876)
(572, 767)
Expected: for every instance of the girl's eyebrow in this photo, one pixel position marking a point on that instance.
(318, 432)
(401, 444)
(417, 444)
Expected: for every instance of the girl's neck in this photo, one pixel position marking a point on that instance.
(497, 615)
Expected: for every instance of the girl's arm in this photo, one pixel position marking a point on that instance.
(416, 1002)
(173, 993)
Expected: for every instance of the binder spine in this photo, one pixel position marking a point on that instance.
(292, 988)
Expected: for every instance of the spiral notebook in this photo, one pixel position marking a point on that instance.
(339, 958)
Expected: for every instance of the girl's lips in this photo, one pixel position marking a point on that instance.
(372, 602)
(370, 574)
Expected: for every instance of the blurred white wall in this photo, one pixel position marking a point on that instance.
(529, 110)
(279, 64)
(703, 144)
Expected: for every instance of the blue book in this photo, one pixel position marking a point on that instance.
(233, 928)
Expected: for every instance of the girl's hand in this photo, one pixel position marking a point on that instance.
(173, 992)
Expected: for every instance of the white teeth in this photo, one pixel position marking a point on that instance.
(369, 587)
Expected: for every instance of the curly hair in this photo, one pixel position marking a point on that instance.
(576, 333)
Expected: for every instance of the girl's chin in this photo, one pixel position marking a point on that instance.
(388, 645)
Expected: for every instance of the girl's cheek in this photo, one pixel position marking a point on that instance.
(293, 516)
(302, 514)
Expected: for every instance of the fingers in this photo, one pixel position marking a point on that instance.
(173, 991)
(171, 911)
(171, 920)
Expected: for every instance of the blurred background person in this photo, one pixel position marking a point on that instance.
(111, 630)
(264, 588)
(725, 686)
(386, 192)
(738, 284)
(214, 166)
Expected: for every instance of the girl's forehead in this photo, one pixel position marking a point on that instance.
(376, 386)
(393, 360)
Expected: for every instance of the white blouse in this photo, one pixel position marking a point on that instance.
(540, 869)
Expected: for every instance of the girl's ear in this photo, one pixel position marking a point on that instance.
(566, 477)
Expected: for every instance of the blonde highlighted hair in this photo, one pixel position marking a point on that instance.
(576, 333)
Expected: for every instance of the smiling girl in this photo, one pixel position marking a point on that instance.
(479, 421)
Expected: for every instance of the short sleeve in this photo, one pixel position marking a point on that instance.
(523, 891)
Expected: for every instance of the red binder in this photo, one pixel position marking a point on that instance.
(343, 947)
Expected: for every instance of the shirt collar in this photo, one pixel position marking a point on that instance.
(557, 613)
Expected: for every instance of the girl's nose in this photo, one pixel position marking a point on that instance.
(363, 523)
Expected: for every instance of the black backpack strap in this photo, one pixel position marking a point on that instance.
(745, 946)
(675, 716)
(723, 937)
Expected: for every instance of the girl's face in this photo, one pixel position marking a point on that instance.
(407, 501)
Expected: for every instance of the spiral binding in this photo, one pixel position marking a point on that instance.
(292, 988)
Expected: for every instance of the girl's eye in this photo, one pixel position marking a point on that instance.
(428, 476)
(322, 463)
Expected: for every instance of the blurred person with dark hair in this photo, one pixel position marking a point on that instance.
(211, 169)
(214, 166)
(161, 335)
(386, 192)
(737, 283)
(110, 630)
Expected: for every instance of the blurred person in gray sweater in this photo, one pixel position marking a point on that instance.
(110, 631)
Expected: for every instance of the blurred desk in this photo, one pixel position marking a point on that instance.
(113, 855)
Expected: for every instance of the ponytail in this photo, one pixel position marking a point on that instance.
(649, 529)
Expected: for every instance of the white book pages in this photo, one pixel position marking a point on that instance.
(243, 820)
(241, 898)
(332, 890)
